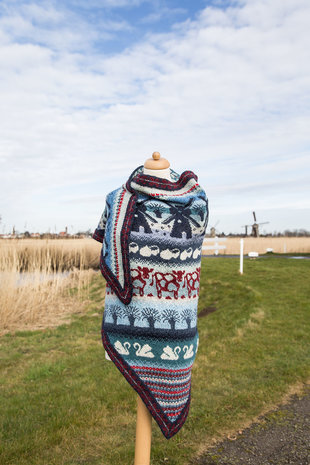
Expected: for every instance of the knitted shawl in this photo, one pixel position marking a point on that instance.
(152, 231)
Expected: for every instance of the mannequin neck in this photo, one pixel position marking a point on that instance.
(165, 173)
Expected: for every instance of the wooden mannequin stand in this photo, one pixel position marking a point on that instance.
(144, 418)
(143, 434)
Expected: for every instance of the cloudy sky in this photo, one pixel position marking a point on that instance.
(89, 89)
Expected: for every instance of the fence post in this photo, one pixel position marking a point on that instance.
(216, 247)
(241, 256)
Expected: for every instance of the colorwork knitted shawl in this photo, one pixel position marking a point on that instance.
(152, 231)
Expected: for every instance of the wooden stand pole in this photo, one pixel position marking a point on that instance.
(143, 434)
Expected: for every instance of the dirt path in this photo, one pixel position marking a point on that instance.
(280, 437)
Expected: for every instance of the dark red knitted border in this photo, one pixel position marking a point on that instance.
(98, 235)
(167, 427)
(165, 184)
(124, 294)
(160, 183)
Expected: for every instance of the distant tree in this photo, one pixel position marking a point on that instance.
(132, 313)
(88, 232)
(171, 316)
(151, 315)
(27, 234)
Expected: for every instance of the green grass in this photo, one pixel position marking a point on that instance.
(62, 403)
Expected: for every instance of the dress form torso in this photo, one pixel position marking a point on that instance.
(163, 173)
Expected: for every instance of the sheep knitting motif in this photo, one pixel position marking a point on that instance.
(151, 232)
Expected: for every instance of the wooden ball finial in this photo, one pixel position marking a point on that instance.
(156, 162)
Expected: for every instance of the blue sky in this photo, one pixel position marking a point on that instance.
(90, 89)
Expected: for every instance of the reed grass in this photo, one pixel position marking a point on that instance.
(48, 255)
(42, 283)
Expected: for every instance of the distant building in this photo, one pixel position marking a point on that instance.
(5, 236)
(63, 233)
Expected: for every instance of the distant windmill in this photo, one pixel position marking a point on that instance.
(254, 226)
(213, 229)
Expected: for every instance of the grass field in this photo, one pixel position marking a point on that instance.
(62, 403)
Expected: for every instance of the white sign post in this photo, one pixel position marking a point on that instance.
(241, 256)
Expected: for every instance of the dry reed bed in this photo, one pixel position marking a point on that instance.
(34, 291)
(48, 255)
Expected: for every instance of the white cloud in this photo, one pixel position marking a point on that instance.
(224, 95)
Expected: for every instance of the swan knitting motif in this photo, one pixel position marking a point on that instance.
(122, 349)
(144, 351)
(188, 351)
(170, 354)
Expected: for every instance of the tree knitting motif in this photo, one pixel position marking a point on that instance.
(157, 208)
(171, 316)
(200, 211)
(151, 315)
(115, 312)
(132, 313)
(187, 316)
